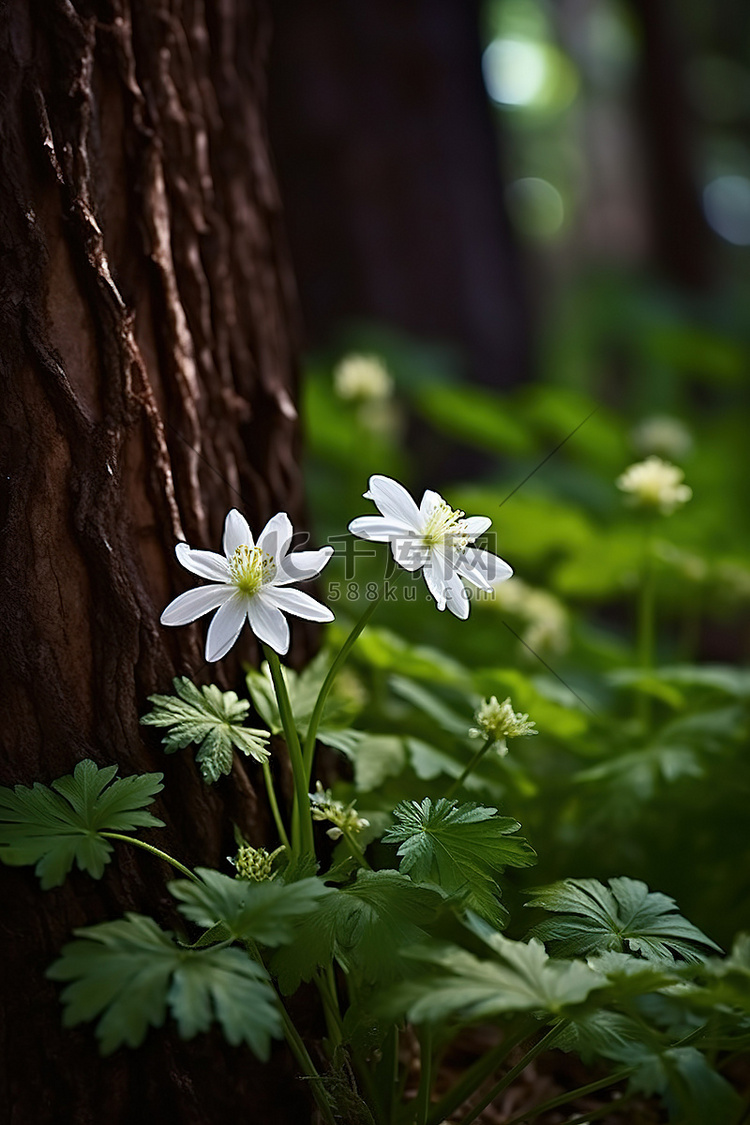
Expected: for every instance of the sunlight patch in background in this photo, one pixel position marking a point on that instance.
(527, 73)
(726, 203)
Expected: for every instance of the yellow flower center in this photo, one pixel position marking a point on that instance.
(251, 568)
(446, 523)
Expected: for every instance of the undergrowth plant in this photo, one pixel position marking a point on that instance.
(393, 895)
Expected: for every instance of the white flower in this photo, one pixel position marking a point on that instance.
(249, 581)
(433, 536)
(654, 483)
(344, 818)
(499, 721)
(362, 377)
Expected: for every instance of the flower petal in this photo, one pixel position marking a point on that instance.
(236, 533)
(393, 501)
(379, 529)
(436, 574)
(430, 501)
(225, 627)
(477, 525)
(483, 568)
(409, 551)
(298, 603)
(268, 623)
(194, 603)
(299, 566)
(207, 564)
(457, 597)
(276, 536)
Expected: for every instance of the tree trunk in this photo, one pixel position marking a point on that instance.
(148, 385)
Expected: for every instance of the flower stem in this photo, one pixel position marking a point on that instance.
(470, 768)
(302, 831)
(645, 626)
(425, 1075)
(478, 1072)
(154, 851)
(542, 1045)
(300, 1052)
(326, 686)
(355, 850)
(271, 791)
(571, 1095)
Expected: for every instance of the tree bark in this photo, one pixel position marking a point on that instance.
(148, 385)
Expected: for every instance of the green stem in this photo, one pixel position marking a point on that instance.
(645, 626)
(154, 851)
(470, 768)
(271, 791)
(300, 1052)
(296, 1045)
(478, 1072)
(302, 830)
(326, 983)
(543, 1044)
(356, 851)
(326, 686)
(571, 1095)
(425, 1076)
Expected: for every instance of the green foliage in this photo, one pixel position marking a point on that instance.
(693, 1091)
(62, 825)
(725, 984)
(451, 983)
(365, 926)
(210, 718)
(461, 848)
(130, 973)
(262, 912)
(626, 917)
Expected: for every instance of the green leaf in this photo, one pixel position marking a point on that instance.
(364, 926)
(454, 983)
(210, 718)
(129, 973)
(693, 1091)
(59, 826)
(425, 701)
(375, 757)
(475, 414)
(383, 649)
(627, 917)
(461, 848)
(726, 983)
(263, 912)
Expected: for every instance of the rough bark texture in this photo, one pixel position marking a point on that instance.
(390, 173)
(147, 385)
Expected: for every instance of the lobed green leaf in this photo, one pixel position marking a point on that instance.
(624, 917)
(210, 718)
(55, 827)
(461, 848)
(129, 974)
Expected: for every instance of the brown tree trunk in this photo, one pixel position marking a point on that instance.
(148, 385)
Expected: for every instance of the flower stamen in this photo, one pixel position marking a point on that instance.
(446, 523)
(251, 568)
